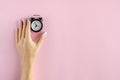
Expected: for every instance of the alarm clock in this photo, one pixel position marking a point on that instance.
(36, 23)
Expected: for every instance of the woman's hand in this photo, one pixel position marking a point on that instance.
(27, 48)
(25, 45)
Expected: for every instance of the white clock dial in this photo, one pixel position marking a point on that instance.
(36, 25)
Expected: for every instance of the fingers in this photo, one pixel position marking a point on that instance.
(23, 28)
(28, 33)
(19, 30)
(41, 39)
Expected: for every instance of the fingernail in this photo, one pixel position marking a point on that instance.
(19, 21)
(27, 20)
(23, 19)
(45, 33)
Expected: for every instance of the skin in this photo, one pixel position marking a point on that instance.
(27, 48)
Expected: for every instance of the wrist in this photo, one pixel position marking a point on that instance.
(27, 57)
(27, 68)
(27, 61)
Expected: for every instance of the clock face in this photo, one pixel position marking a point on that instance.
(36, 25)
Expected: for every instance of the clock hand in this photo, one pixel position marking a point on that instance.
(35, 25)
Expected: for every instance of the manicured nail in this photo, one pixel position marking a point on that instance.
(19, 21)
(28, 20)
(45, 33)
(23, 19)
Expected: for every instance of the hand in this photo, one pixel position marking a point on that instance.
(25, 45)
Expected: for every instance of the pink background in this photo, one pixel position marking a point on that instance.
(83, 41)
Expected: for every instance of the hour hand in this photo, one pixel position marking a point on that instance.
(35, 25)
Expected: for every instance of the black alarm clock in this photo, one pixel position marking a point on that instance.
(36, 23)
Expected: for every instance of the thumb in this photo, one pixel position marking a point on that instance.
(41, 39)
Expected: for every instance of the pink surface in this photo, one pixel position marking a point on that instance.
(83, 41)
